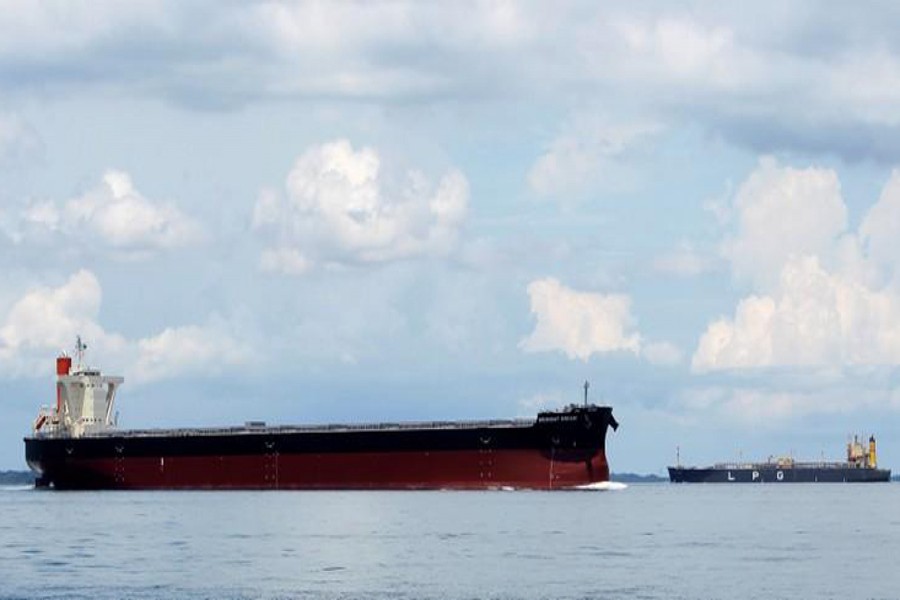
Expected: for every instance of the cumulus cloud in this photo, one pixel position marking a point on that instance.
(781, 213)
(590, 153)
(190, 349)
(123, 218)
(46, 320)
(816, 318)
(879, 234)
(823, 295)
(579, 324)
(340, 208)
(115, 214)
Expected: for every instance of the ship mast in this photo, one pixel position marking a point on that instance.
(80, 347)
(586, 386)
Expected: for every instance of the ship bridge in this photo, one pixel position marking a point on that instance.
(84, 400)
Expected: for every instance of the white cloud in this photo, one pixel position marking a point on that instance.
(579, 324)
(189, 350)
(681, 48)
(792, 80)
(46, 320)
(209, 54)
(340, 209)
(123, 218)
(590, 152)
(817, 318)
(37, 221)
(781, 213)
(743, 341)
(822, 298)
(879, 232)
(114, 214)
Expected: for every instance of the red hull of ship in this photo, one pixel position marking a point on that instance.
(469, 469)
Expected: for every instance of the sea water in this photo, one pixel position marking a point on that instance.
(642, 541)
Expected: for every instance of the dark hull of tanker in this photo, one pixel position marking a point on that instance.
(562, 451)
(772, 474)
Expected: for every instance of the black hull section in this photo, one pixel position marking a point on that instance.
(774, 474)
(546, 452)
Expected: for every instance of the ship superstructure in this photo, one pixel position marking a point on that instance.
(84, 400)
(77, 445)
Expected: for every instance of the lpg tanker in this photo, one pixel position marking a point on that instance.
(76, 445)
(861, 466)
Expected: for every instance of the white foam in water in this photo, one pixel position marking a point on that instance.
(16, 488)
(602, 486)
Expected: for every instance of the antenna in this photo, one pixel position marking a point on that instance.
(586, 386)
(80, 347)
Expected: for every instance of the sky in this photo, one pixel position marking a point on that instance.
(361, 211)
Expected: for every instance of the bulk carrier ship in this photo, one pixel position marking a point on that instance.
(861, 466)
(77, 445)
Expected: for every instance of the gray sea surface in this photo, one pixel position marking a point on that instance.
(646, 541)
